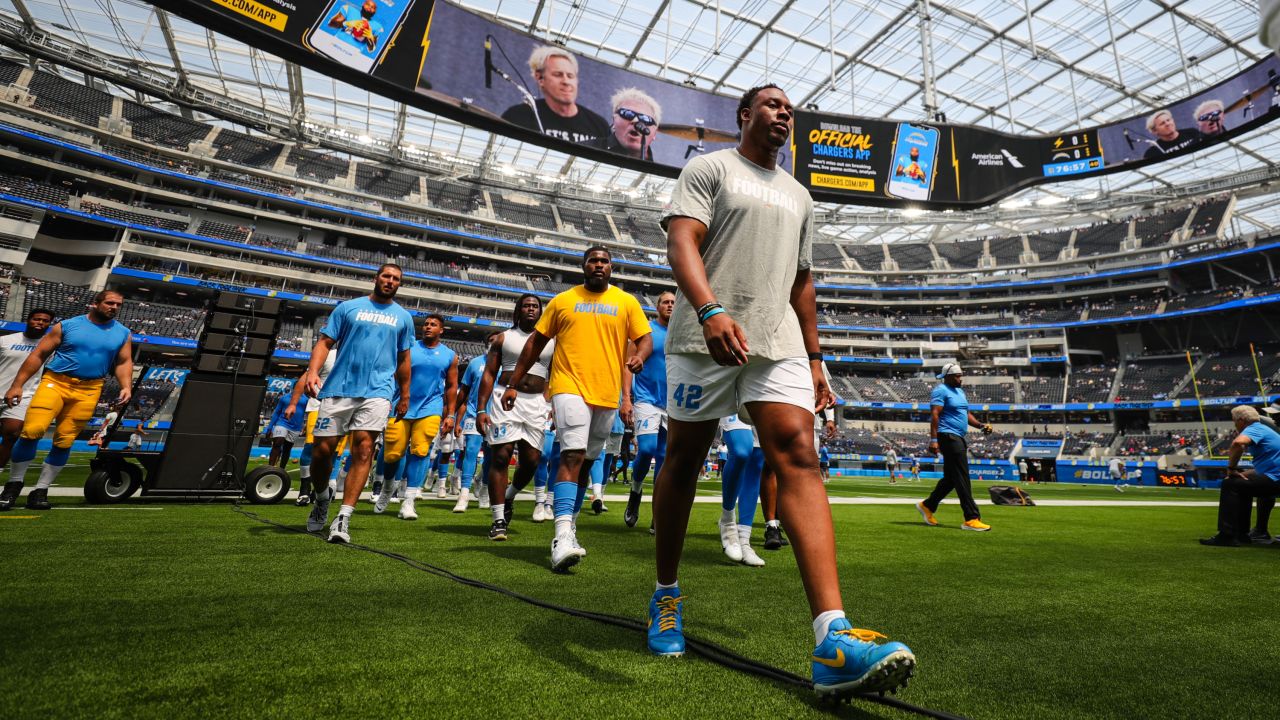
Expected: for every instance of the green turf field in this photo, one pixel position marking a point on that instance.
(182, 610)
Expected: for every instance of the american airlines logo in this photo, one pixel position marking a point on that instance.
(375, 317)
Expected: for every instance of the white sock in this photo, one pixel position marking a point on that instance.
(822, 624)
(342, 477)
(18, 471)
(346, 510)
(47, 474)
(744, 534)
(773, 523)
(411, 493)
(637, 485)
(539, 495)
(727, 516)
(564, 524)
(304, 472)
(333, 485)
(511, 492)
(597, 490)
(380, 480)
(499, 512)
(664, 586)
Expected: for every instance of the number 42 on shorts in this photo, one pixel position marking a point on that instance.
(688, 397)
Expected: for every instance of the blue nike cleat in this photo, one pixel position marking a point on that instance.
(666, 628)
(849, 662)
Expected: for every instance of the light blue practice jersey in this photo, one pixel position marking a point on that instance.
(427, 385)
(299, 421)
(471, 381)
(88, 349)
(650, 386)
(370, 338)
(955, 409)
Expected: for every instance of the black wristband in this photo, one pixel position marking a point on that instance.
(815, 356)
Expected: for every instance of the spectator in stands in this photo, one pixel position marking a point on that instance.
(1240, 486)
(557, 113)
(636, 117)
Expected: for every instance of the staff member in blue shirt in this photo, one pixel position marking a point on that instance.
(1241, 486)
(80, 351)
(947, 427)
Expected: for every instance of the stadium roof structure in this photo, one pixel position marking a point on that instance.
(1022, 66)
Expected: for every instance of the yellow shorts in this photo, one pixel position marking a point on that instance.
(65, 400)
(311, 426)
(416, 434)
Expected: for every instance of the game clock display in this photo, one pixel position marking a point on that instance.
(1173, 479)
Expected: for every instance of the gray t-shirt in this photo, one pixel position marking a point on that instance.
(759, 235)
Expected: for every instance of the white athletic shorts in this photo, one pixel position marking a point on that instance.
(524, 422)
(613, 446)
(339, 416)
(649, 419)
(18, 412)
(469, 425)
(290, 436)
(698, 389)
(580, 426)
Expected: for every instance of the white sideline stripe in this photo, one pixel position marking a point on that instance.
(708, 499)
(107, 508)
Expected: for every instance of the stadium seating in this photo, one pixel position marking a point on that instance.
(1042, 389)
(1081, 443)
(385, 181)
(1100, 239)
(157, 127)
(1006, 250)
(1150, 379)
(912, 256)
(529, 215)
(69, 99)
(316, 166)
(162, 320)
(1232, 374)
(63, 300)
(236, 147)
(587, 223)
(1091, 383)
(961, 253)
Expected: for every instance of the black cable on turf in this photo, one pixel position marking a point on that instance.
(717, 654)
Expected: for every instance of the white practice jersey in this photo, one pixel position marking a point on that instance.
(14, 349)
(313, 404)
(513, 340)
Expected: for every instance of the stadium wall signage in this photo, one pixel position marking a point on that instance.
(452, 62)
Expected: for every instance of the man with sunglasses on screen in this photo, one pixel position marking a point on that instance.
(1209, 118)
(636, 116)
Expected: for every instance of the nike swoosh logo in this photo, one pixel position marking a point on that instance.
(837, 661)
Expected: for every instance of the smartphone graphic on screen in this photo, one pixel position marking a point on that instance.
(914, 162)
(357, 33)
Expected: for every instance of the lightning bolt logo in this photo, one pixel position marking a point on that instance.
(1057, 143)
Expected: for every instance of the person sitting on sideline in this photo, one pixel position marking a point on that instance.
(1241, 486)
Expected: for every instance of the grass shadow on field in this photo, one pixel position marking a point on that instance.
(536, 555)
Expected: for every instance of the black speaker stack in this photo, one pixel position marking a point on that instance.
(216, 418)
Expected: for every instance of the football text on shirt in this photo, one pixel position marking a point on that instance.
(375, 317)
(744, 186)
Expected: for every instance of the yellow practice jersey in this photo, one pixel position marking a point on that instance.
(591, 331)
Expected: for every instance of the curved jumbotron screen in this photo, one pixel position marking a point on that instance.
(447, 60)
